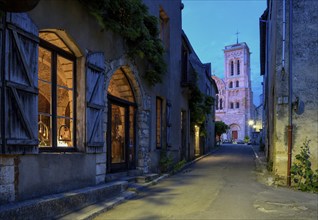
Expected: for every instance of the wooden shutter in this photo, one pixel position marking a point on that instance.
(95, 69)
(21, 84)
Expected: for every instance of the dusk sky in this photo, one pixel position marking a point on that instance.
(212, 24)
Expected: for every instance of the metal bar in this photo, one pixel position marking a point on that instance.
(290, 99)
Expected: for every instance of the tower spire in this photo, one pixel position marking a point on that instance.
(237, 33)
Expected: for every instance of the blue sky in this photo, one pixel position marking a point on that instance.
(211, 25)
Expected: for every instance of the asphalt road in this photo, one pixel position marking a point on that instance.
(222, 185)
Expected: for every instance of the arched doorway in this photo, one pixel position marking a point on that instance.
(121, 129)
(234, 129)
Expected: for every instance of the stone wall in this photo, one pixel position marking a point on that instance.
(7, 174)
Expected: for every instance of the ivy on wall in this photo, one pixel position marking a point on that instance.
(200, 106)
(140, 31)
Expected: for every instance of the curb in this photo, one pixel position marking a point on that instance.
(263, 175)
(94, 210)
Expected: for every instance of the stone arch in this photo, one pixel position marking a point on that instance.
(234, 128)
(143, 108)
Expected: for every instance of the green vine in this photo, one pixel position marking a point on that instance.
(302, 174)
(131, 20)
(200, 106)
(165, 162)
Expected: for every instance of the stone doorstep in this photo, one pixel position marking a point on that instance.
(61, 204)
(146, 178)
(126, 176)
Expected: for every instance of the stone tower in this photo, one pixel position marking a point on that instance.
(235, 101)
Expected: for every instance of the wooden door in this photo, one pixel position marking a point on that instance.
(234, 135)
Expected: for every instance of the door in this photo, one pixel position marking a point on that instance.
(121, 137)
(234, 135)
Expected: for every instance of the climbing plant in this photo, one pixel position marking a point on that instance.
(301, 172)
(200, 106)
(140, 31)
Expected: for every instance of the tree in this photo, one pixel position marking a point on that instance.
(220, 128)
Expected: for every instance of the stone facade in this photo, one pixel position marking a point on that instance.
(235, 100)
(116, 83)
(289, 67)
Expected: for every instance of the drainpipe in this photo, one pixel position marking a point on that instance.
(284, 40)
(2, 75)
(290, 87)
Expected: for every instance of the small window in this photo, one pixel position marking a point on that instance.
(237, 83)
(56, 102)
(164, 28)
(231, 105)
(217, 102)
(237, 105)
(238, 67)
(231, 85)
(158, 122)
(221, 103)
(232, 67)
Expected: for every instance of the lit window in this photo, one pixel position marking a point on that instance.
(56, 94)
(158, 122)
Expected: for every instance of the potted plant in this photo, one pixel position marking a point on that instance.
(246, 139)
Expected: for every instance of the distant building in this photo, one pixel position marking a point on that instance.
(234, 102)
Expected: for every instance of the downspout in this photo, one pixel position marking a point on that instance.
(2, 75)
(284, 40)
(290, 86)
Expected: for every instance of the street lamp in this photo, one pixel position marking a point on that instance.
(251, 122)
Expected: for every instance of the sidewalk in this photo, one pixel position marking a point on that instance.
(263, 174)
(133, 189)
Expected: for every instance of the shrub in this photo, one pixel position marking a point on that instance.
(302, 174)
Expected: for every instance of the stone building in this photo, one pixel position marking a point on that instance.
(76, 111)
(288, 36)
(234, 102)
(196, 73)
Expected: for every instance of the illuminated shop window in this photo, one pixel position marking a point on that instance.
(56, 93)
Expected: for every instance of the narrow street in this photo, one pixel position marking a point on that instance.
(222, 185)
